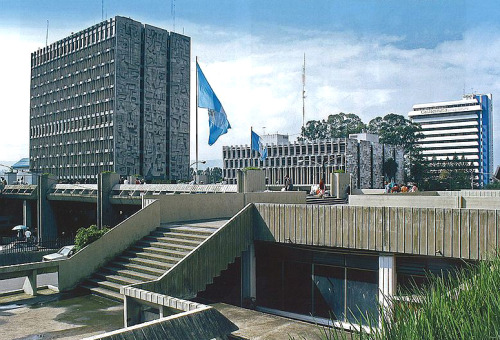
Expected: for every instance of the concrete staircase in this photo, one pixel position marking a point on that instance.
(150, 257)
(326, 200)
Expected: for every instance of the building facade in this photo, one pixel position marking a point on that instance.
(460, 129)
(113, 97)
(307, 162)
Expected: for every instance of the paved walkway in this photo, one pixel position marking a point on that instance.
(62, 316)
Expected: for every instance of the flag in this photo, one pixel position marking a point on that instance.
(258, 145)
(217, 119)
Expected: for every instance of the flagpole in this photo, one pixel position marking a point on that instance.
(196, 167)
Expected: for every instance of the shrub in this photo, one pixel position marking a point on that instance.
(85, 236)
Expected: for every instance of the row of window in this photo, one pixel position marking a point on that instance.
(71, 110)
(286, 150)
(86, 81)
(65, 67)
(76, 42)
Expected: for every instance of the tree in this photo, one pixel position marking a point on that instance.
(396, 130)
(314, 130)
(390, 168)
(342, 125)
(339, 125)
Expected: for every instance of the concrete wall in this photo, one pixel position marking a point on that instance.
(455, 233)
(405, 200)
(85, 262)
(26, 257)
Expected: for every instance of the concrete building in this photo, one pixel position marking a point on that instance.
(112, 97)
(462, 128)
(308, 162)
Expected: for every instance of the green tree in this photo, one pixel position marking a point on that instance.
(390, 168)
(314, 130)
(396, 130)
(339, 125)
(342, 125)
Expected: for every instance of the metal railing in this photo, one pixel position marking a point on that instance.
(22, 246)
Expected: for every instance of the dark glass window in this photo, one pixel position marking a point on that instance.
(329, 292)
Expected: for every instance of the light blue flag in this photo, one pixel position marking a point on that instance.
(217, 119)
(258, 145)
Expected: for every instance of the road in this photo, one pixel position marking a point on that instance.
(17, 283)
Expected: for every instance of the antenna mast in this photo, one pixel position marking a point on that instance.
(304, 93)
(47, 35)
(172, 11)
(102, 10)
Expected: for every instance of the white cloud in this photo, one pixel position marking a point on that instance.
(258, 79)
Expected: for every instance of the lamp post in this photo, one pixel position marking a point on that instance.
(196, 169)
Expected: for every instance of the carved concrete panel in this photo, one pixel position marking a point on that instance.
(179, 105)
(127, 113)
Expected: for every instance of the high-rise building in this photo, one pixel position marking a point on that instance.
(460, 129)
(308, 162)
(113, 97)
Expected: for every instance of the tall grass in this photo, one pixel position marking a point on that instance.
(465, 305)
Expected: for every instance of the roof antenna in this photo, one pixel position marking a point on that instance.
(304, 93)
(102, 10)
(172, 11)
(47, 35)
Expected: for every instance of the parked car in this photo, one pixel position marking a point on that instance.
(62, 253)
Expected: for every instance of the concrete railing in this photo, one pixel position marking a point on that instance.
(471, 199)
(30, 271)
(196, 322)
(206, 261)
(86, 261)
(456, 233)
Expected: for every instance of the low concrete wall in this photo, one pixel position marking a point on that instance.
(471, 193)
(27, 257)
(405, 201)
(484, 202)
(283, 197)
(189, 207)
(85, 262)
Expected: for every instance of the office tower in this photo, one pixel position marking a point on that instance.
(113, 97)
(460, 130)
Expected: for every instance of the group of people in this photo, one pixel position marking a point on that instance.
(391, 187)
(288, 183)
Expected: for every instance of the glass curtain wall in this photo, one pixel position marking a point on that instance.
(317, 282)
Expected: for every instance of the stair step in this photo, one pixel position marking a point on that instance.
(118, 279)
(152, 256)
(103, 292)
(186, 230)
(130, 273)
(146, 262)
(162, 247)
(180, 236)
(152, 271)
(173, 240)
(105, 284)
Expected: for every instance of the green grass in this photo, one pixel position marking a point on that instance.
(463, 306)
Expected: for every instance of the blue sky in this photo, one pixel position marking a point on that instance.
(366, 57)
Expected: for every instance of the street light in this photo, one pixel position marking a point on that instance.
(196, 170)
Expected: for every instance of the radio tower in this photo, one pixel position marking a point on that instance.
(304, 93)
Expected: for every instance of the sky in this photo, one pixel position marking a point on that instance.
(370, 57)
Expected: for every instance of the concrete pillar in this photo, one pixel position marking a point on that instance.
(27, 213)
(131, 311)
(163, 311)
(106, 214)
(30, 284)
(47, 227)
(386, 281)
(248, 278)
